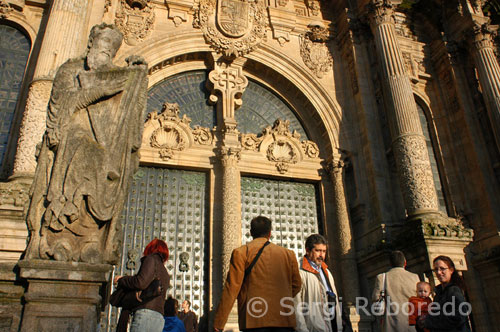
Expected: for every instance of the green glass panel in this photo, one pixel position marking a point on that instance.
(292, 206)
(171, 205)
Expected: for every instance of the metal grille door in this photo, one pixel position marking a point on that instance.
(292, 206)
(170, 205)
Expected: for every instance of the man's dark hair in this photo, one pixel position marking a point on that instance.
(315, 239)
(260, 227)
(188, 302)
(170, 307)
(397, 258)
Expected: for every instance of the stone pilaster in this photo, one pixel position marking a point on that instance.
(408, 142)
(59, 44)
(63, 296)
(489, 74)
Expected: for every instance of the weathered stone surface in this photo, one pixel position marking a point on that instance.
(89, 151)
(63, 296)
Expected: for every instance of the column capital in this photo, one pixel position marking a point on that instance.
(230, 156)
(482, 35)
(336, 164)
(380, 12)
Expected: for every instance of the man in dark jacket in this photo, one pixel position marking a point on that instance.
(188, 317)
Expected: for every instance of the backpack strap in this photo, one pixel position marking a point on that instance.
(250, 267)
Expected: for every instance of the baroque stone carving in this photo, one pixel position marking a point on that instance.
(314, 6)
(88, 154)
(14, 193)
(170, 134)
(232, 27)
(32, 126)
(5, 9)
(280, 146)
(381, 11)
(135, 18)
(314, 51)
(415, 173)
(230, 82)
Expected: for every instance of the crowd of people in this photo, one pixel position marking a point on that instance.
(276, 293)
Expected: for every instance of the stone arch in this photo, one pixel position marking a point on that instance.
(323, 113)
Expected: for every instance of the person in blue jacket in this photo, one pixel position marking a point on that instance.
(172, 322)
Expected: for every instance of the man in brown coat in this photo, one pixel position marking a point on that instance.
(265, 295)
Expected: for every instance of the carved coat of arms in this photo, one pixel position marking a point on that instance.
(232, 27)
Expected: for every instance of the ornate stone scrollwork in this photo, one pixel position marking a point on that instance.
(135, 18)
(5, 9)
(314, 6)
(232, 27)
(314, 50)
(280, 146)
(168, 133)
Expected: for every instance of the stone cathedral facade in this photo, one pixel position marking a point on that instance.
(373, 122)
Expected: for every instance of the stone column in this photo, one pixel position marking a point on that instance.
(231, 204)
(229, 83)
(489, 74)
(62, 296)
(64, 38)
(408, 142)
(345, 244)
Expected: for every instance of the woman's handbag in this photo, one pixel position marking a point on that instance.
(129, 299)
(378, 307)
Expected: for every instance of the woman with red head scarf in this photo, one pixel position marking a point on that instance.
(149, 315)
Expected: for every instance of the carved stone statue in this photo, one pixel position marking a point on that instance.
(95, 119)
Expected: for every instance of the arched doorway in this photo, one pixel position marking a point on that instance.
(172, 194)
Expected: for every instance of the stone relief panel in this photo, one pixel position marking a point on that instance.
(314, 50)
(232, 27)
(135, 18)
(170, 134)
(280, 146)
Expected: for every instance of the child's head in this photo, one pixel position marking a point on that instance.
(423, 289)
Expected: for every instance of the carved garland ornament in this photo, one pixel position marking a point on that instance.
(282, 146)
(135, 19)
(169, 133)
(232, 27)
(314, 50)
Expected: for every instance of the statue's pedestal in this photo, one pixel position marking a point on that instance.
(63, 296)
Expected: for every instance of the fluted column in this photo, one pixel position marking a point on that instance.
(345, 245)
(64, 38)
(489, 74)
(408, 142)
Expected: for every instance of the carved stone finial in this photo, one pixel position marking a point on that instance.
(229, 81)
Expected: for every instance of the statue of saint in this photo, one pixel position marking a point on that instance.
(89, 152)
